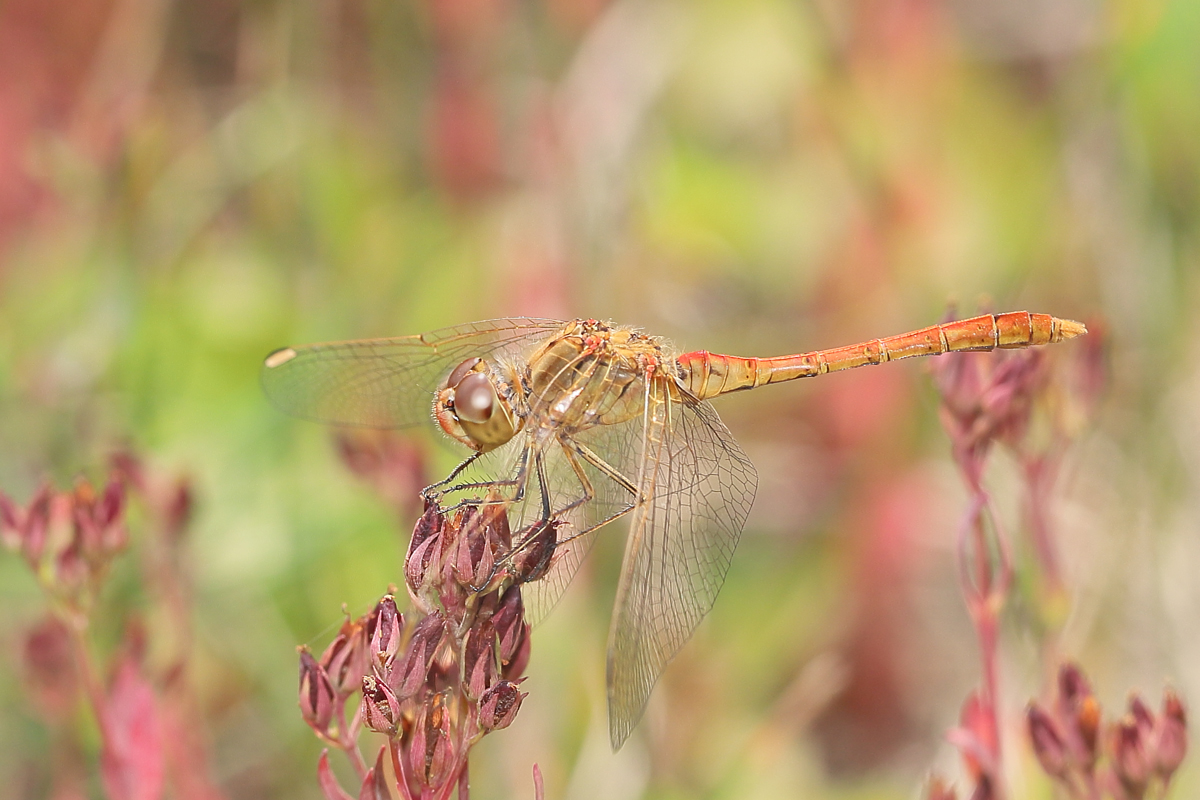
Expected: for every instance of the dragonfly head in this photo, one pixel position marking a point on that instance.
(471, 409)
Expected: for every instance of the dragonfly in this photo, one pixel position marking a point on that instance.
(576, 424)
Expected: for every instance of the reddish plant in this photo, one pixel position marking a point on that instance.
(70, 541)
(437, 682)
(1131, 758)
(1011, 399)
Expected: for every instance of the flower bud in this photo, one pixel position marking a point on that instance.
(536, 553)
(345, 659)
(98, 520)
(385, 627)
(316, 694)
(380, 706)
(495, 517)
(1047, 743)
(26, 529)
(509, 620)
(420, 564)
(1129, 759)
(498, 706)
(1171, 746)
(1142, 716)
(479, 658)
(515, 666)
(1079, 713)
(475, 556)
(439, 748)
(412, 670)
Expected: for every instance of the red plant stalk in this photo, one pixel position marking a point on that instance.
(990, 398)
(973, 420)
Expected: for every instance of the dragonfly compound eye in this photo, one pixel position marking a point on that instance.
(458, 374)
(474, 398)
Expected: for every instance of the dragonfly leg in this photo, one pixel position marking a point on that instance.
(573, 451)
(576, 450)
(434, 491)
(519, 480)
(599, 463)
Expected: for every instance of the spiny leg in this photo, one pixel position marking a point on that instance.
(431, 491)
(573, 451)
(519, 480)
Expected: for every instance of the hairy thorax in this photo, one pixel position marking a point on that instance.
(591, 374)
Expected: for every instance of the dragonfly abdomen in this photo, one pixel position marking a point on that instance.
(708, 375)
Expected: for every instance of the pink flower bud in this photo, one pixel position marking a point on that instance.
(412, 670)
(380, 707)
(515, 666)
(534, 558)
(1142, 715)
(420, 563)
(99, 529)
(1130, 762)
(345, 659)
(1047, 743)
(1171, 746)
(385, 627)
(509, 620)
(479, 658)
(475, 555)
(495, 517)
(316, 694)
(498, 706)
(1079, 714)
(439, 747)
(26, 529)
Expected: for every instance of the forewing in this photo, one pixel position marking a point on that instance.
(697, 488)
(387, 383)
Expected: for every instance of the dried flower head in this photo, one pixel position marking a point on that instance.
(438, 679)
(1131, 758)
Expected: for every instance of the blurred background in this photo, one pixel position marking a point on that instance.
(185, 186)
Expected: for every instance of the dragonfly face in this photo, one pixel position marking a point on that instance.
(473, 408)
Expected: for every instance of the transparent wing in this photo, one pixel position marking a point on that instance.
(589, 482)
(608, 462)
(386, 383)
(697, 488)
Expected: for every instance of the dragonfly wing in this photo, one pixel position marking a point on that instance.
(533, 472)
(697, 487)
(606, 455)
(386, 383)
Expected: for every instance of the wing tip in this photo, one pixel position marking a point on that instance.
(279, 357)
(619, 727)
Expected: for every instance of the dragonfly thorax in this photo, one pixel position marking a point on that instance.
(590, 374)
